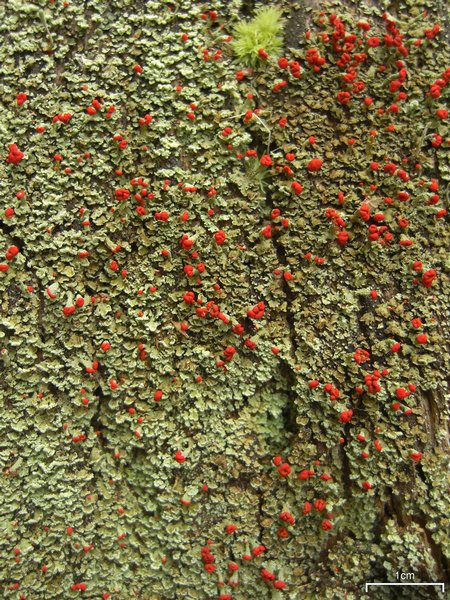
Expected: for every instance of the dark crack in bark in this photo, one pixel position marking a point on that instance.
(96, 421)
(441, 561)
(288, 293)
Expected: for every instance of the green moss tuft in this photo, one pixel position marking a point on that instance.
(263, 31)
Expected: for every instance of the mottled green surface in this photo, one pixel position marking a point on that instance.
(232, 423)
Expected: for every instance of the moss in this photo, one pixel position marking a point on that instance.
(262, 32)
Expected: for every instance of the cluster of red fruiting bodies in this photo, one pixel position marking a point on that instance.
(350, 59)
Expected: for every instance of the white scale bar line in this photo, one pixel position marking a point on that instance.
(375, 583)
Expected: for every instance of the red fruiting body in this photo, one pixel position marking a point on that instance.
(284, 470)
(179, 457)
(266, 161)
(220, 237)
(15, 155)
(314, 165)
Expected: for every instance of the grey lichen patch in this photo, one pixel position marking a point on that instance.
(121, 343)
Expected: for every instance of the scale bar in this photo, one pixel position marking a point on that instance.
(442, 585)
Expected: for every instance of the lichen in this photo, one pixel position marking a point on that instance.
(233, 266)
